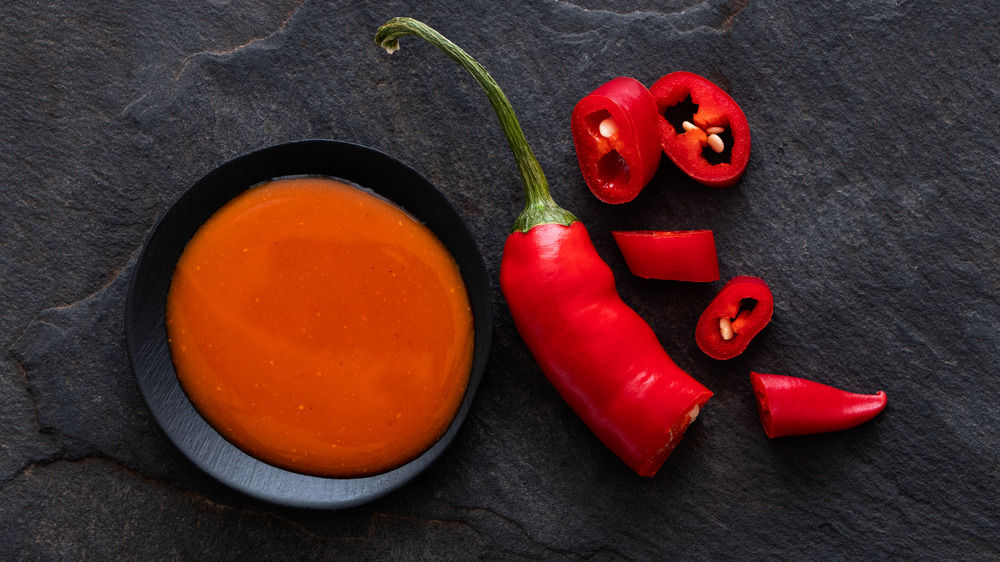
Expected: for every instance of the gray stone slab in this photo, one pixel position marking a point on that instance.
(868, 205)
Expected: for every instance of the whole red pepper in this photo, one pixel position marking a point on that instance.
(738, 313)
(794, 406)
(604, 360)
(680, 255)
(617, 139)
(712, 145)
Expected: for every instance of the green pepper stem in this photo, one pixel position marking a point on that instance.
(539, 207)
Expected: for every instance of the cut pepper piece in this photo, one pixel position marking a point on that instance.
(617, 140)
(687, 255)
(710, 140)
(794, 406)
(738, 313)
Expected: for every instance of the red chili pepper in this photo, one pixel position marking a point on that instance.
(738, 313)
(617, 140)
(687, 255)
(687, 135)
(604, 360)
(794, 406)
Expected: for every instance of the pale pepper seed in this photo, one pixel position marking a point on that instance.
(714, 140)
(607, 128)
(726, 328)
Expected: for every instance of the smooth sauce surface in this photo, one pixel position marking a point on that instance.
(320, 328)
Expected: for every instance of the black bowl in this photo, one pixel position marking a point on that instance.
(146, 335)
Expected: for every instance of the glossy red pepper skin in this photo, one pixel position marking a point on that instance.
(726, 305)
(602, 357)
(793, 406)
(616, 168)
(684, 255)
(715, 108)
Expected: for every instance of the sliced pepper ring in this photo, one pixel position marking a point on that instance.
(616, 138)
(686, 255)
(738, 313)
(716, 115)
(794, 406)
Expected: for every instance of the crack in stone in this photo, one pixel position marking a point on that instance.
(234, 50)
(736, 7)
(18, 353)
(15, 359)
(133, 102)
(635, 14)
(107, 284)
(382, 516)
(585, 554)
(36, 418)
(729, 10)
(164, 483)
(151, 100)
(629, 13)
(32, 464)
(513, 522)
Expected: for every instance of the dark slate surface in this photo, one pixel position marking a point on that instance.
(869, 206)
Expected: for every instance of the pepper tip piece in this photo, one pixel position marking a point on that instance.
(791, 406)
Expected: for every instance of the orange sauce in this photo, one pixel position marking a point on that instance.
(320, 328)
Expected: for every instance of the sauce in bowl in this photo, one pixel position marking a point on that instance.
(320, 328)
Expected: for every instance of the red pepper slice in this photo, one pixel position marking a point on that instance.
(794, 406)
(617, 140)
(738, 313)
(713, 113)
(601, 356)
(687, 255)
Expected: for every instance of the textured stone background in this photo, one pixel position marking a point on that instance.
(869, 206)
